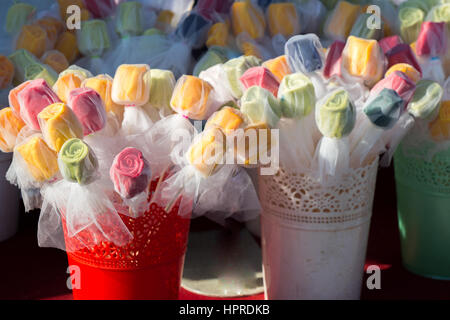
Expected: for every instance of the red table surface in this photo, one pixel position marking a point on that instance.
(30, 272)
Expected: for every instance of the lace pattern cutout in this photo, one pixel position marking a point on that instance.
(159, 237)
(298, 200)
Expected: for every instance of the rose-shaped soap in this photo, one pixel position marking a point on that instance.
(399, 82)
(21, 60)
(130, 173)
(6, 72)
(410, 21)
(93, 39)
(250, 48)
(402, 53)
(297, 96)
(129, 19)
(334, 60)
(130, 85)
(426, 100)
(388, 43)
(102, 84)
(336, 115)
(77, 163)
(58, 124)
(41, 161)
(341, 20)
(32, 38)
(385, 109)
(33, 99)
(261, 77)
(440, 12)
(260, 106)
(432, 40)
(207, 151)
(279, 67)
(235, 68)
(283, 19)
(70, 79)
(364, 59)
(246, 17)
(10, 126)
(87, 104)
(227, 118)
(56, 60)
(304, 53)
(67, 44)
(218, 35)
(192, 98)
(18, 15)
(407, 69)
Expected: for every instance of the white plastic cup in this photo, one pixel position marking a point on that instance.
(314, 237)
(9, 201)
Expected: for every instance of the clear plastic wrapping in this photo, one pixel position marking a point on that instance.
(248, 18)
(278, 66)
(102, 84)
(58, 124)
(380, 113)
(34, 163)
(282, 18)
(363, 59)
(335, 118)
(67, 45)
(312, 14)
(161, 90)
(432, 40)
(32, 99)
(410, 20)
(193, 98)
(88, 107)
(56, 60)
(215, 77)
(397, 81)
(334, 60)
(32, 38)
(407, 69)
(129, 19)
(340, 21)
(209, 59)
(131, 85)
(304, 53)
(235, 68)
(93, 38)
(402, 53)
(131, 175)
(426, 100)
(19, 14)
(261, 77)
(10, 126)
(390, 42)
(260, 106)
(82, 203)
(193, 29)
(70, 79)
(21, 59)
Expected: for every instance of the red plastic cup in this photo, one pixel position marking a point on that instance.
(148, 268)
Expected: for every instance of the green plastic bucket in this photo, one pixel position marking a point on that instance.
(423, 202)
